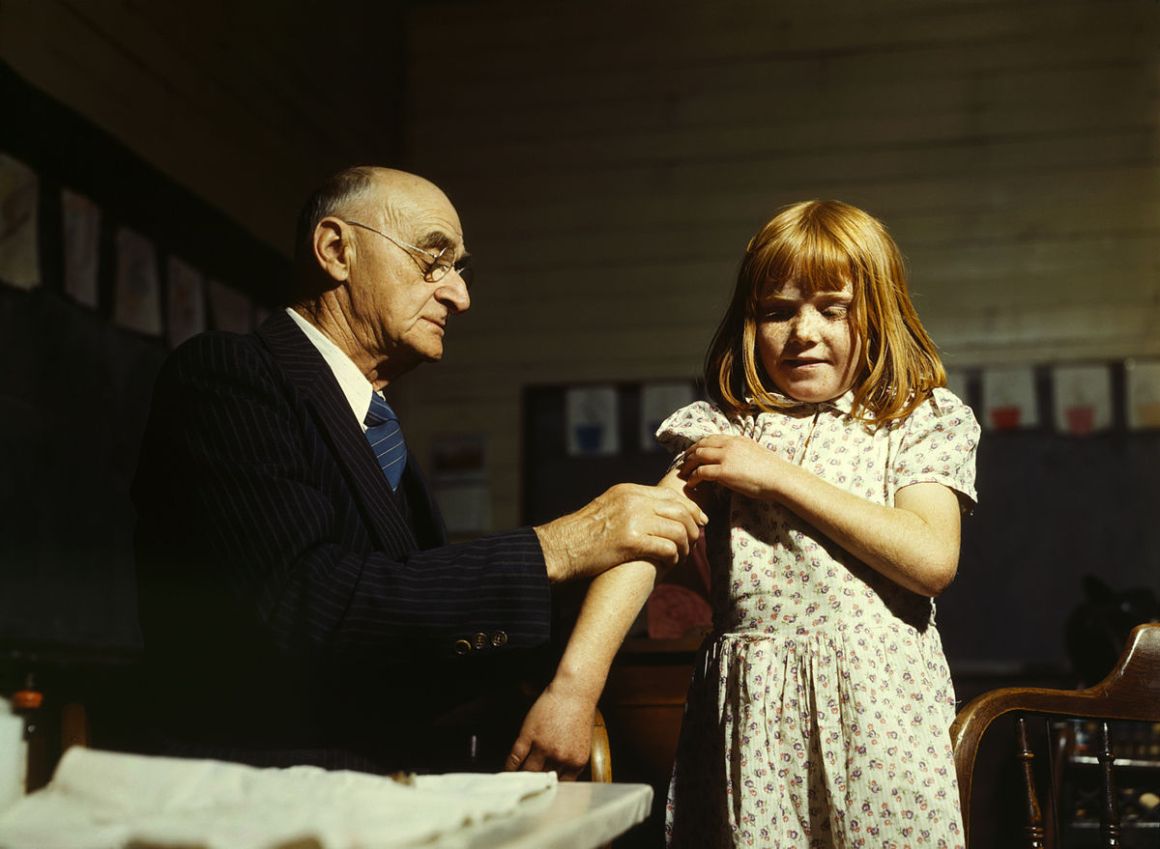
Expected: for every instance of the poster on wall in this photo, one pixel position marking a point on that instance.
(1142, 393)
(1009, 401)
(658, 401)
(137, 296)
(591, 416)
(19, 196)
(1083, 399)
(231, 310)
(81, 222)
(459, 482)
(185, 306)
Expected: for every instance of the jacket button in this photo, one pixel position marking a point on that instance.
(462, 647)
(480, 640)
(499, 638)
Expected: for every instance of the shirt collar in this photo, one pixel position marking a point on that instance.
(844, 403)
(353, 383)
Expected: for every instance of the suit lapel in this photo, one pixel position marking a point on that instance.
(311, 376)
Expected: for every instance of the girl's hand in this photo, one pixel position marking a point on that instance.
(736, 462)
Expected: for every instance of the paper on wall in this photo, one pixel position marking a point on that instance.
(591, 416)
(1009, 400)
(1083, 399)
(82, 233)
(1142, 393)
(137, 297)
(459, 482)
(19, 205)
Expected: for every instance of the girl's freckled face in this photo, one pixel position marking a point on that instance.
(806, 342)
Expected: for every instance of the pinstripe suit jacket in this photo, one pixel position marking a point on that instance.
(294, 608)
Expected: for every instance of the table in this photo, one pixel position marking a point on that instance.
(579, 815)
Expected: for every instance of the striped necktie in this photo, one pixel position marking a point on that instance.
(386, 439)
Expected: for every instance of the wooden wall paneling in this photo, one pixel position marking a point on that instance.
(619, 157)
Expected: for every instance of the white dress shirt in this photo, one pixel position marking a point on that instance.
(351, 381)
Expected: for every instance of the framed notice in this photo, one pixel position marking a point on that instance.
(82, 233)
(591, 416)
(1083, 399)
(137, 297)
(1142, 394)
(1009, 401)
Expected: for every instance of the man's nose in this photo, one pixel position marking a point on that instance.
(454, 293)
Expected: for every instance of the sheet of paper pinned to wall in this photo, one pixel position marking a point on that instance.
(1083, 398)
(231, 310)
(459, 482)
(1009, 400)
(137, 297)
(657, 403)
(1142, 393)
(82, 236)
(185, 307)
(19, 205)
(591, 416)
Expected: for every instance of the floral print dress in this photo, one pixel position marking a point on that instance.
(820, 707)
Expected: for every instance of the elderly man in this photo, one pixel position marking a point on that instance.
(299, 601)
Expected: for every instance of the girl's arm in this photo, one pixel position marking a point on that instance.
(557, 732)
(915, 543)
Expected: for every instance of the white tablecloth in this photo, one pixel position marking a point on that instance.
(104, 800)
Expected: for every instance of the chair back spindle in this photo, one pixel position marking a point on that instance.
(1109, 810)
(1034, 814)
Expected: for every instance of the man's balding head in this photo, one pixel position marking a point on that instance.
(351, 188)
(381, 267)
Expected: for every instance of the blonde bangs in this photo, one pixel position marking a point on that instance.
(822, 246)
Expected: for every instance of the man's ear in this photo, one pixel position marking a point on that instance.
(332, 248)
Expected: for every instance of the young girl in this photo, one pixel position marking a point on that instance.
(833, 467)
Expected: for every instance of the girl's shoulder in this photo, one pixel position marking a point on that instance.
(696, 421)
(943, 410)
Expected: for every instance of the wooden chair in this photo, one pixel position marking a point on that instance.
(1131, 691)
(600, 761)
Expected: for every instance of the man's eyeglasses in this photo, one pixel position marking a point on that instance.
(439, 266)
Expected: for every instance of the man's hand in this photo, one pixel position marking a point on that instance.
(556, 734)
(626, 522)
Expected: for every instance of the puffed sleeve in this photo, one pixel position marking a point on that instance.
(696, 421)
(938, 445)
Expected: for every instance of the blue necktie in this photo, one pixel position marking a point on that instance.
(386, 439)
